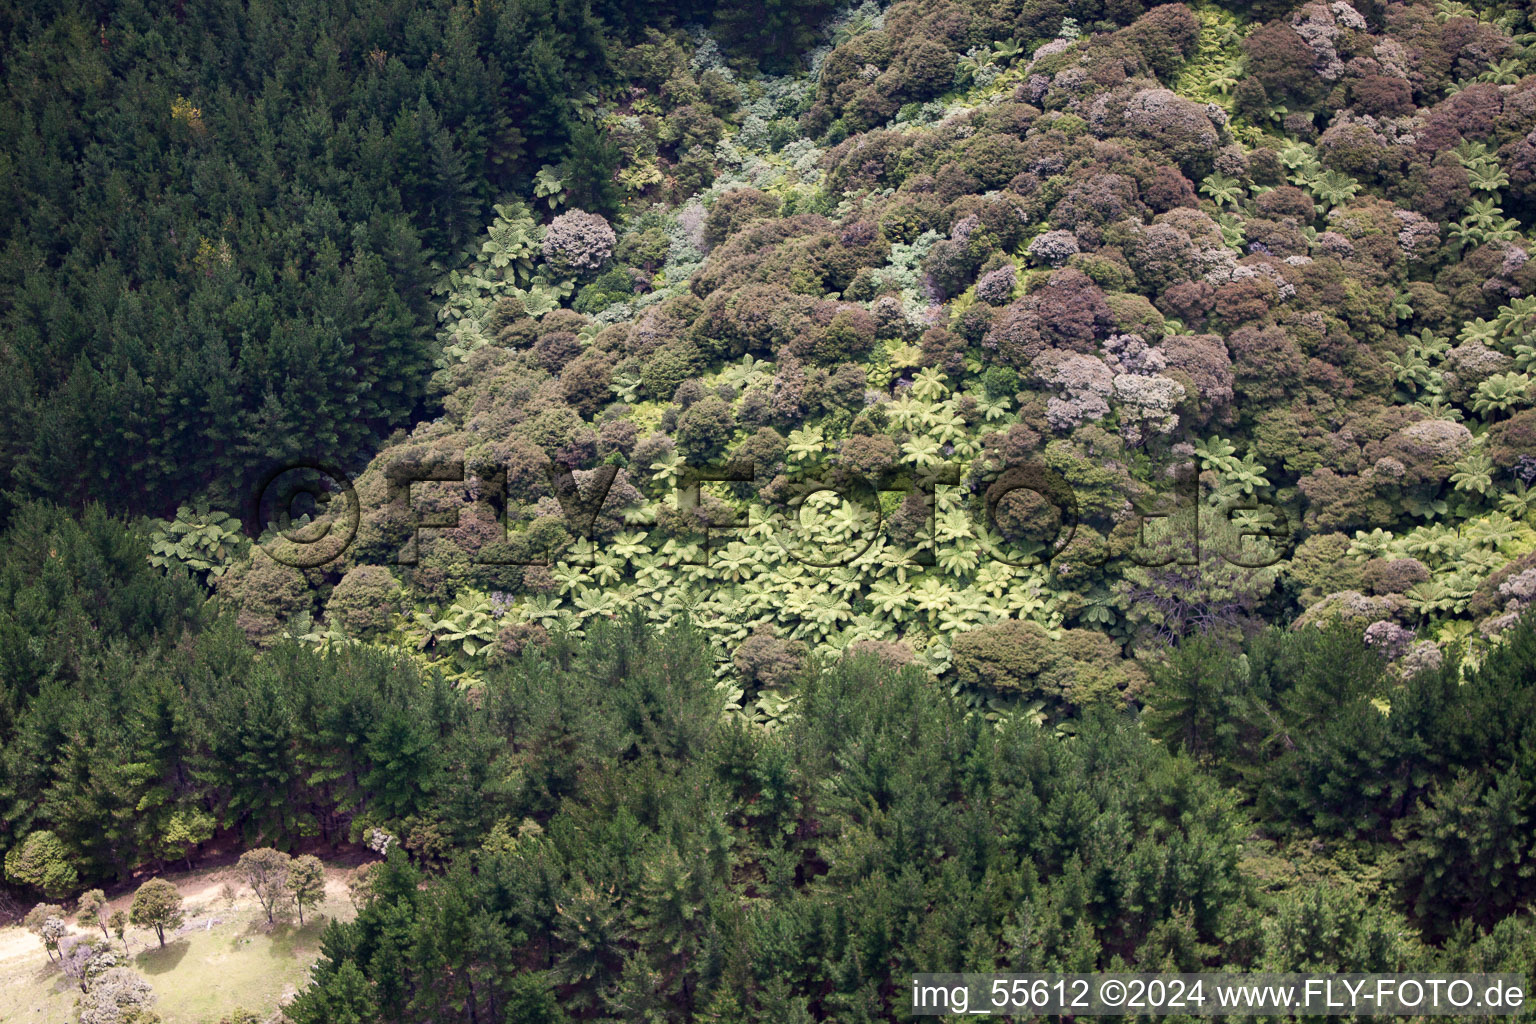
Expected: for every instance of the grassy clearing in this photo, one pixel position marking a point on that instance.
(224, 957)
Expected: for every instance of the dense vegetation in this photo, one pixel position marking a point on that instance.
(603, 835)
(221, 222)
(1149, 246)
(1244, 292)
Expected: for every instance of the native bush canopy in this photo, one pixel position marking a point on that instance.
(1277, 348)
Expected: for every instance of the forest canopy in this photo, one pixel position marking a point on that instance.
(598, 827)
(815, 494)
(219, 247)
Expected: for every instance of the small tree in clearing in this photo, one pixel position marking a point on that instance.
(156, 905)
(54, 932)
(118, 995)
(306, 882)
(266, 871)
(74, 955)
(46, 921)
(91, 911)
(119, 926)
